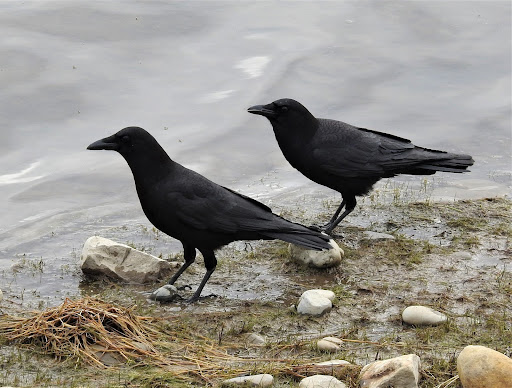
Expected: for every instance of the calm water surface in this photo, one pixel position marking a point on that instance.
(71, 72)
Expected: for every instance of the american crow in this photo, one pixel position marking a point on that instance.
(348, 159)
(195, 210)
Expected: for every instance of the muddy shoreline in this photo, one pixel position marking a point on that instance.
(452, 256)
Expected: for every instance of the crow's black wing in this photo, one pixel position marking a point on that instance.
(202, 204)
(206, 206)
(347, 151)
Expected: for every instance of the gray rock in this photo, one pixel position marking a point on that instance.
(376, 236)
(422, 316)
(263, 380)
(321, 381)
(479, 366)
(166, 293)
(254, 339)
(313, 302)
(101, 256)
(317, 259)
(398, 372)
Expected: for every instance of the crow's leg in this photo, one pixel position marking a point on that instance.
(210, 262)
(350, 205)
(189, 252)
(333, 218)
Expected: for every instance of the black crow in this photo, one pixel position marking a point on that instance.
(196, 211)
(348, 159)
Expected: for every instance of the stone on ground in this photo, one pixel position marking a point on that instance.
(315, 302)
(333, 363)
(254, 339)
(321, 381)
(101, 256)
(479, 366)
(376, 236)
(323, 293)
(317, 259)
(167, 293)
(1, 295)
(263, 380)
(329, 344)
(399, 372)
(422, 316)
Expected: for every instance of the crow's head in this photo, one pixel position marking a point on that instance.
(285, 112)
(127, 140)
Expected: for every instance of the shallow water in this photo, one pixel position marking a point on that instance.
(73, 72)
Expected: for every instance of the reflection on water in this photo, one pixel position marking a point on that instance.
(20, 177)
(71, 73)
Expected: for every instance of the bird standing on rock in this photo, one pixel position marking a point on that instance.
(349, 159)
(200, 213)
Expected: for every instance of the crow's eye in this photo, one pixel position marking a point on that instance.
(283, 108)
(125, 139)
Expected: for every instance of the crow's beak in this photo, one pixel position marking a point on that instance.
(108, 143)
(263, 110)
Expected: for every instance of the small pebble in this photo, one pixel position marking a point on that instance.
(254, 339)
(313, 302)
(334, 340)
(317, 259)
(376, 236)
(327, 346)
(462, 255)
(321, 381)
(323, 293)
(421, 315)
(263, 380)
(165, 293)
(334, 363)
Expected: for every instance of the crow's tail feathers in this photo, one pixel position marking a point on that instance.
(306, 237)
(456, 163)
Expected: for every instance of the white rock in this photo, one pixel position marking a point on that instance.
(333, 363)
(165, 293)
(317, 259)
(376, 236)
(334, 340)
(1, 295)
(421, 315)
(323, 293)
(479, 366)
(321, 381)
(327, 346)
(312, 302)
(254, 339)
(101, 256)
(263, 380)
(399, 372)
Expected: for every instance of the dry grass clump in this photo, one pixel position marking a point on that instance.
(87, 329)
